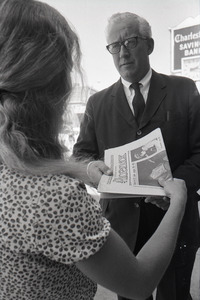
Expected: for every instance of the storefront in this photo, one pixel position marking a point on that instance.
(185, 49)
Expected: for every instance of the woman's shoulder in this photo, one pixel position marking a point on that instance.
(52, 187)
(49, 181)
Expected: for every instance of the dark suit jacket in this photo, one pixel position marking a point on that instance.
(173, 105)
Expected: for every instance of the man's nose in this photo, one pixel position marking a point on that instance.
(123, 51)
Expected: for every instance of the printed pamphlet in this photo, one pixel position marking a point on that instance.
(136, 166)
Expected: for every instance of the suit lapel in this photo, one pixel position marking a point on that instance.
(157, 93)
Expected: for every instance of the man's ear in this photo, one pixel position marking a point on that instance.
(150, 43)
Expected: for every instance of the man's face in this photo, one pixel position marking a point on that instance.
(132, 64)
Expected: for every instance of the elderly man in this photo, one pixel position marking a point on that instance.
(141, 101)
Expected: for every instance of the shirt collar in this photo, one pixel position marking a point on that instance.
(145, 81)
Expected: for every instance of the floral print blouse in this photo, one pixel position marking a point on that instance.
(47, 224)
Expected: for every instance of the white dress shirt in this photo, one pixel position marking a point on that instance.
(144, 88)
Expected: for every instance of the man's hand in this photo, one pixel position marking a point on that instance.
(95, 169)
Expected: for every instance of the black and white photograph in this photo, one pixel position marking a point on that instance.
(78, 79)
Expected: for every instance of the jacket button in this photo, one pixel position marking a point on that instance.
(139, 132)
(136, 205)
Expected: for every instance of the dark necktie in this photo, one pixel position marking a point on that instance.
(138, 102)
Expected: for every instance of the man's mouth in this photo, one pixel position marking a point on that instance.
(125, 64)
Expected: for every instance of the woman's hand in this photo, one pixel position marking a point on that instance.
(174, 188)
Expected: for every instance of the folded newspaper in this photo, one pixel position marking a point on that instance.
(136, 166)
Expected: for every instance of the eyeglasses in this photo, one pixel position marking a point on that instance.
(129, 44)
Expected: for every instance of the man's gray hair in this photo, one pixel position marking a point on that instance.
(142, 25)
